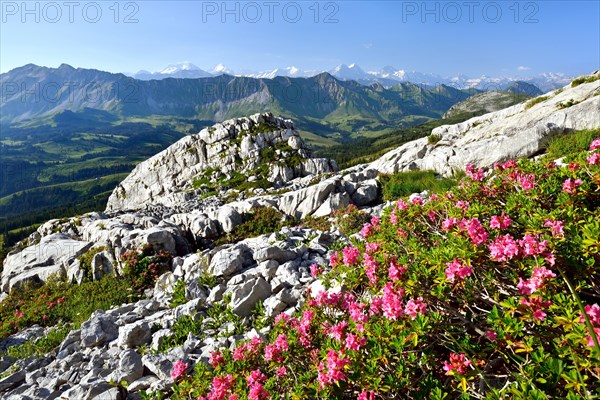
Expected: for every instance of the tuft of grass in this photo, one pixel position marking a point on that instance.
(208, 194)
(584, 79)
(567, 104)
(433, 139)
(406, 183)
(197, 183)
(535, 101)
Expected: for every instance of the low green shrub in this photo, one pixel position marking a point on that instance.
(143, 266)
(181, 329)
(59, 301)
(316, 223)
(85, 261)
(350, 219)
(178, 297)
(197, 325)
(207, 279)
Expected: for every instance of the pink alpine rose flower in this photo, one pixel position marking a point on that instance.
(458, 364)
(351, 255)
(366, 395)
(449, 223)
(476, 175)
(556, 227)
(216, 358)
(353, 342)
(315, 271)
(500, 222)
(415, 307)
(570, 186)
(179, 369)
(457, 270)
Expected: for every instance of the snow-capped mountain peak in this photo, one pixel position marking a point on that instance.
(221, 69)
(182, 66)
(349, 72)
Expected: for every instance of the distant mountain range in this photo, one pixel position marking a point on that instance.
(387, 76)
(320, 104)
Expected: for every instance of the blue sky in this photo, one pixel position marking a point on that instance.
(504, 38)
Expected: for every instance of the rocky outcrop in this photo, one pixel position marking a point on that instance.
(519, 131)
(53, 255)
(261, 147)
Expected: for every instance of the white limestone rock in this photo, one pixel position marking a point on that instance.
(52, 256)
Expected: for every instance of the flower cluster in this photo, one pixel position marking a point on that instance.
(570, 185)
(538, 278)
(179, 369)
(216, 358)
(458, 364)
(457, 270)
(476, 175)
(351, 255)
(273, 350)
(333, 370)
(505, 247)
(255, 385)
(221, 389)
(248, 349)
(143, 266)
